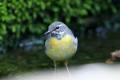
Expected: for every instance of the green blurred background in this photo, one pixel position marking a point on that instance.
(96, 23)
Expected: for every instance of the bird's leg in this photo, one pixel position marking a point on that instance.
(66, 65)
(54, 66)
(54, 62)
(69, 74)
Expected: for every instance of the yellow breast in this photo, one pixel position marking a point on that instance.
(55, 42)
(60, 49)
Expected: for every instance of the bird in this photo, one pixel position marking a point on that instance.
(61, 44)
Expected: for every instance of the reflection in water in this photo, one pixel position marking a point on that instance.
(101, 31)
(33, 44)
(116, 27)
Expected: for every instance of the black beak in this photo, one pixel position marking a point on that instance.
(48, 32)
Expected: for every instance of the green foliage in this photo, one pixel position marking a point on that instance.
(19, 16)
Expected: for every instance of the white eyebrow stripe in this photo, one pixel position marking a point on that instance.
(59, 25)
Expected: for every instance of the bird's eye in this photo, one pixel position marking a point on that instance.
(57, 27)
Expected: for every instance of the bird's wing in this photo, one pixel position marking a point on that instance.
(75, 43)
(46, 43)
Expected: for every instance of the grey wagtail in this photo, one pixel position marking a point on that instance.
(61, 44)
